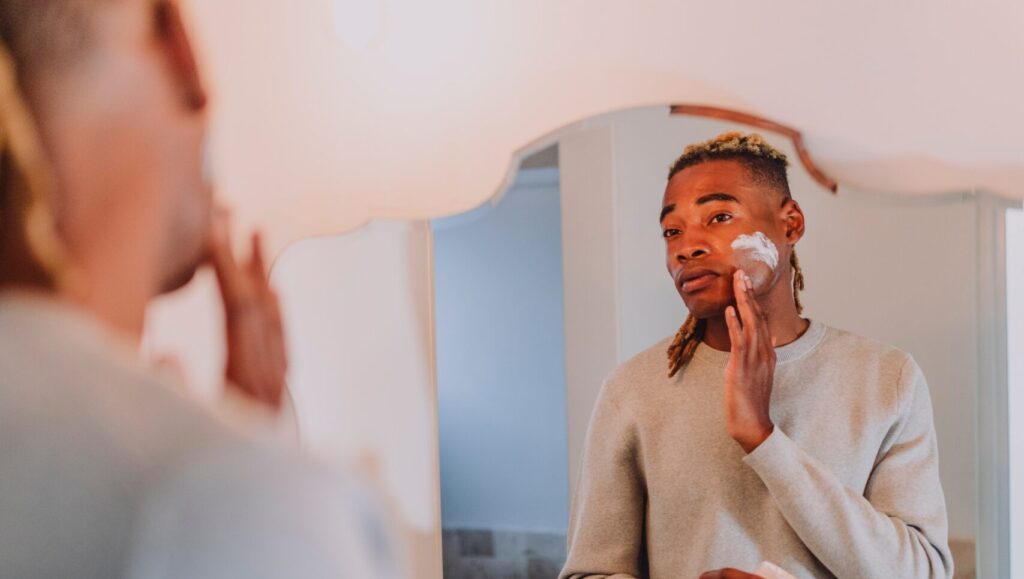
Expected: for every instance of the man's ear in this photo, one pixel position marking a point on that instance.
(792, 221)
(170, 30)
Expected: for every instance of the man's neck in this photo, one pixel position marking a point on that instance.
(112, 292)
(120, 312)
(784, 322)
(116, 313)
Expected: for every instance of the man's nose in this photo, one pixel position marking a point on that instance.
(691, 250)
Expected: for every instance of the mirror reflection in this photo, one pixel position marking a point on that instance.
(610, 402)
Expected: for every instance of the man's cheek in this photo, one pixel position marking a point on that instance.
(725, 294)
(758, 256)
(672, 267)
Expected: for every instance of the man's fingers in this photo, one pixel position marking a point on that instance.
(744, 306)
(274, 308)
(220, 237)
(273, 343)
(755, 319)
(764, 331)
(256, 356)
(229, 276)
(276, 322)
(258, 266)
(270, 307)
(739, 290)
(729, 574)
(736, 337)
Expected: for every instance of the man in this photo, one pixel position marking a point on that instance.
(107, 469)
(768, 438)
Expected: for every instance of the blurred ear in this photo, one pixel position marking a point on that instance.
(170, 30)
(792, 218)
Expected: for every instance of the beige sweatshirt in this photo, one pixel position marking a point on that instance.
(847, 485)
(108, 470)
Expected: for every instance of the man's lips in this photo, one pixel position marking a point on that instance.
(696, 279)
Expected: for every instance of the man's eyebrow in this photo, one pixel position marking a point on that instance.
(717, 197)
(666, 210)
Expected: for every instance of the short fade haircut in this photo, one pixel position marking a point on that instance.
(46, 31)
(766, 164)
(34, 35)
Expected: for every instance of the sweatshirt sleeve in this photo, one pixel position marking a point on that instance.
(897, 527)
(260, 513)
(606, 524)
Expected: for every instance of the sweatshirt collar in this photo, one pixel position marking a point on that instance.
(792, 351)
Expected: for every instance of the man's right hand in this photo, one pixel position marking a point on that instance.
(728, 574)
(257, 362)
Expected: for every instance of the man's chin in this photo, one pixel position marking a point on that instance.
(703, 310)
(179, 280)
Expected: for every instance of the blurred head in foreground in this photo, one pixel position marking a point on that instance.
(102, 127)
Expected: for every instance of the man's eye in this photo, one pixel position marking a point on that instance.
(670, 233)
(721, 218)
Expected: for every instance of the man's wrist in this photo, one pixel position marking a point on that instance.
(750, 441)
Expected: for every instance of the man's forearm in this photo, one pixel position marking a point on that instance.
(843, 528)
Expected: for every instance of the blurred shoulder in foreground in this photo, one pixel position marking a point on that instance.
(110, 472)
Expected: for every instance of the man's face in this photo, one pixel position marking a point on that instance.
(156, 150)
(182, 135)
(123, 121)
(187, 212)
(706, 207)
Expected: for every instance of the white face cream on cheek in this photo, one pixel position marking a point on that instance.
(758, 256)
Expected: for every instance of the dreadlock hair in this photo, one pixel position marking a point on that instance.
(767, 167)
(34, 34)
(29, 252)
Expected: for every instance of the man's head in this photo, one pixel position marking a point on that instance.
(728, 206)
(118, 110)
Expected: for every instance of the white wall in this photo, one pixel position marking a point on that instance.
(501, 361)
(908, 279)
(1015, 350)
(646, 143)
(897, 271)
(588, 248)
(361, 368)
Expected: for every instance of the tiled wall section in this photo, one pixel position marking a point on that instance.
(488, 554)
(963, 558)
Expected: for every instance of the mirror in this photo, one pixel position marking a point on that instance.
(500, 342)
(542, 293)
